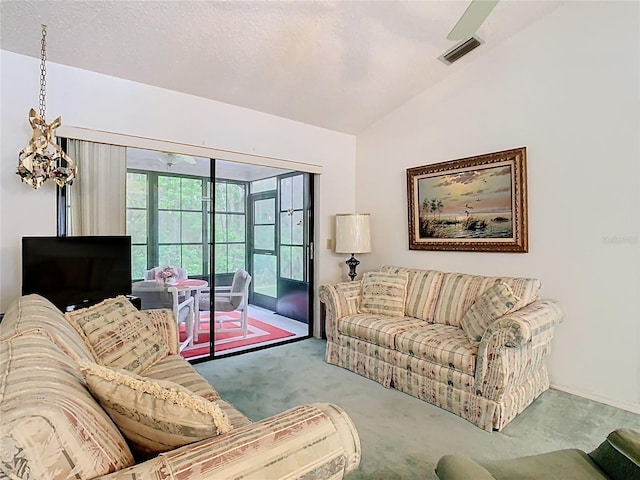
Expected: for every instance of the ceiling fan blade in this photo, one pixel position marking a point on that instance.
(187, 159)
(476, 13)
(173, 158)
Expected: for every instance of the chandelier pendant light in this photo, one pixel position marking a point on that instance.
(42, 158)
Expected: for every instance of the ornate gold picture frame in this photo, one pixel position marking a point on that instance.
(471, 204)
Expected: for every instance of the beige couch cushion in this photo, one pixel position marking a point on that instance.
(441, 344)
(422, 290)
(178, 370)
(383, 293)
(378, 329)
(118, 335)
(155, 416)
(165, 322)
(459, 291)
(490, 306)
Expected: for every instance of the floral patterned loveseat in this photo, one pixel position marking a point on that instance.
(103, 394)
(473, 345)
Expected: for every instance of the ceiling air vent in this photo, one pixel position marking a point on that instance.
(460, 50)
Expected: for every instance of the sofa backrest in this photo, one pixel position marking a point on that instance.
(444, 297)
(423, 287)
(50, 425)
(460, 290)
(32, 313)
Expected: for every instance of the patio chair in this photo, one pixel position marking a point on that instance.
(229, 298)
(154, 294)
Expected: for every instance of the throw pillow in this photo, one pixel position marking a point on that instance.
(153, 415)
(383, 293)
(118, 335)
(491, 305)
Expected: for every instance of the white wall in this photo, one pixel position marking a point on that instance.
(91, 100)
(567, 89)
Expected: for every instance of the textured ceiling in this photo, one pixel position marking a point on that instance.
(339, 65)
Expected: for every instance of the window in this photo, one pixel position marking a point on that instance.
(292, 228)
(138, 221)
(264, 185)
(181, 222)
(230, 226)
(168, 222)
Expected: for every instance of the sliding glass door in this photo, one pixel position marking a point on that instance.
(294, 246)
(280, 218)
(210, 219)
(264, 257)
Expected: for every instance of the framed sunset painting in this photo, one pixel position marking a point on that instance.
(470, 204)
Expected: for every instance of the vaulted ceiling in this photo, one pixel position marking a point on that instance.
(340, 65)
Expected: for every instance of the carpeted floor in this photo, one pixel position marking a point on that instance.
(402, 437)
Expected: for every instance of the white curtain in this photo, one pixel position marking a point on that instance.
(98, 194)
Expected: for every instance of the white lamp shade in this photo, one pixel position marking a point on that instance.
(352, 233)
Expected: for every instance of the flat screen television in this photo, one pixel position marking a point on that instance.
(75, 272)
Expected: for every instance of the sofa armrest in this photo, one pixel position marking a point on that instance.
(514, 348)
(310, 441)
(458, 467)
(524, 325)
(340, 300)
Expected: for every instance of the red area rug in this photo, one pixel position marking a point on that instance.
(257, 332)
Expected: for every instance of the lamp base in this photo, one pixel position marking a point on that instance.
(353, 263)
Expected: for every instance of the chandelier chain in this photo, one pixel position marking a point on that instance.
(43, 72)
(43, 159)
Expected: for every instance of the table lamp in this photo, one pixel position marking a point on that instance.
(353, 236)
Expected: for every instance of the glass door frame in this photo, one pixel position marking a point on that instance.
(290, 289)
(257, 298)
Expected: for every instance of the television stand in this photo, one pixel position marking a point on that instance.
(136, 301)
(79, 306)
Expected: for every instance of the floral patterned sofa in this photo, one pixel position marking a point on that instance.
(473, 345)
(102, 393)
